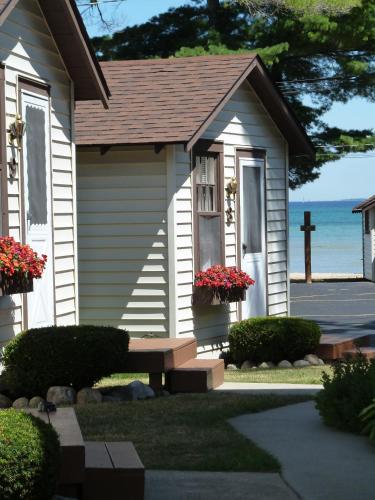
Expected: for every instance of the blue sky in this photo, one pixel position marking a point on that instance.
(352, 177)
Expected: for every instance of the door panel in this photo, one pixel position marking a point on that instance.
(37, 203)
(253, 237)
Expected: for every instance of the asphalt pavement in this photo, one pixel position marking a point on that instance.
(339, 307)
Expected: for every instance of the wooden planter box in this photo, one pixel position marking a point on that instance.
(17, 283)
(205, 296)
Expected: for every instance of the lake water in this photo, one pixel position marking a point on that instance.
(337, 241)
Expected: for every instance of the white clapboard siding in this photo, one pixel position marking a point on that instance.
(243, 122)
(122, 240)
(27, 49)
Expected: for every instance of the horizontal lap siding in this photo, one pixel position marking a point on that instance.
(27, 49)
(122, 228)
(245, 123)
(242, 123)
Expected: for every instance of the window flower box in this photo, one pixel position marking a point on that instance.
(18, 283)
(19, 266)
(220, 285)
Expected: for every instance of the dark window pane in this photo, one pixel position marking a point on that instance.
(209, 241)
(36, 165)
(252, 209)
(205, 172)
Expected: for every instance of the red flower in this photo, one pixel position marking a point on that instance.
(21, 259)
(221, 278)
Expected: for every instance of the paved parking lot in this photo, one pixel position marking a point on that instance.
(339, 307)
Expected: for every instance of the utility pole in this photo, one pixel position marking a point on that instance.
(307, 228)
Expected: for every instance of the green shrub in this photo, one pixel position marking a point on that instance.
(273, 339)
(76, 356)
(29, 457)
(350, 389)
(367, 416)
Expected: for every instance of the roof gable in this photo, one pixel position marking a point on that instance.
(70, 35)
(162, 101)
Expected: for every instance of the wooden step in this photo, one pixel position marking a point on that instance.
(367, 352)
(196, 375)
(159, 355)
(113, 471)
(333, 346)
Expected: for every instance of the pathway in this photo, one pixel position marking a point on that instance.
(344, 308)
(318, 462)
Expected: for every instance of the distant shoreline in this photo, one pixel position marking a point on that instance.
(350, 200)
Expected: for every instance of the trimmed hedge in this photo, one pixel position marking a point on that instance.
(29, 457)
(76, 356)
(273, 339)
(346, 393)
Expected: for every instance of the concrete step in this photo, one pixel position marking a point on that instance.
(159, 355)
(113, 471)
(367, 352)
(196, 375)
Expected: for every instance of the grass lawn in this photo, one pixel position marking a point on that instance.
(184, 432)
(309, 375)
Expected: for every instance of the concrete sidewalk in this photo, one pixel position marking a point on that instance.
(176, 485)
(280, 389)
(318, 462)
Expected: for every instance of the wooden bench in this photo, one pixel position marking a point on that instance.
(196, 375)
(113, 472)
(72, 471)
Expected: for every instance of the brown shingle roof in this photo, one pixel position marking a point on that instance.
(364, 205)
(162, 101)
(71, 37)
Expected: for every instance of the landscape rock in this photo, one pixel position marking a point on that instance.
(312, 359)
(263, 365)
(232, 367)
(35, 402)
(285, 364)
(321, 362)
(137, 390)
(61, 395)
(87, 395)
(5, 402)
(20, 403)
(246, 365)
(301, 363)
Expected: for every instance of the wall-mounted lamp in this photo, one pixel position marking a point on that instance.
(231, 188)
(17, 131)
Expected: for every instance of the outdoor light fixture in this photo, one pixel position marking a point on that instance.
(16, 131)
(232, 187)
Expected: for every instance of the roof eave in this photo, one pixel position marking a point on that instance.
(275, 104)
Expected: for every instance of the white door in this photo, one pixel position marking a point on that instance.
(37, 203)
(253, 238)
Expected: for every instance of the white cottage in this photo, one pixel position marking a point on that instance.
(367, 209)
(153, 208)
(46, 64)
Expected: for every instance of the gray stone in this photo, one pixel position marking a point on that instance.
(35, 402)
(312, 359)
(20, 403)
(263, 365)
(137, 390)
(87, 395)
(321, 362)
(232, 367)
(61, 396)
(246, 365)
(285, 364)
(5, 402)
(301, 363)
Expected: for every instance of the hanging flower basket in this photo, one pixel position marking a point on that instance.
(220, 285)
(19, 266)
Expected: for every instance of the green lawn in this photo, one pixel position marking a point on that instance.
(184, 432)
(309, 375)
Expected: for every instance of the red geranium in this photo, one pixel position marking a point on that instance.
(19, 259)
(221, 278)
